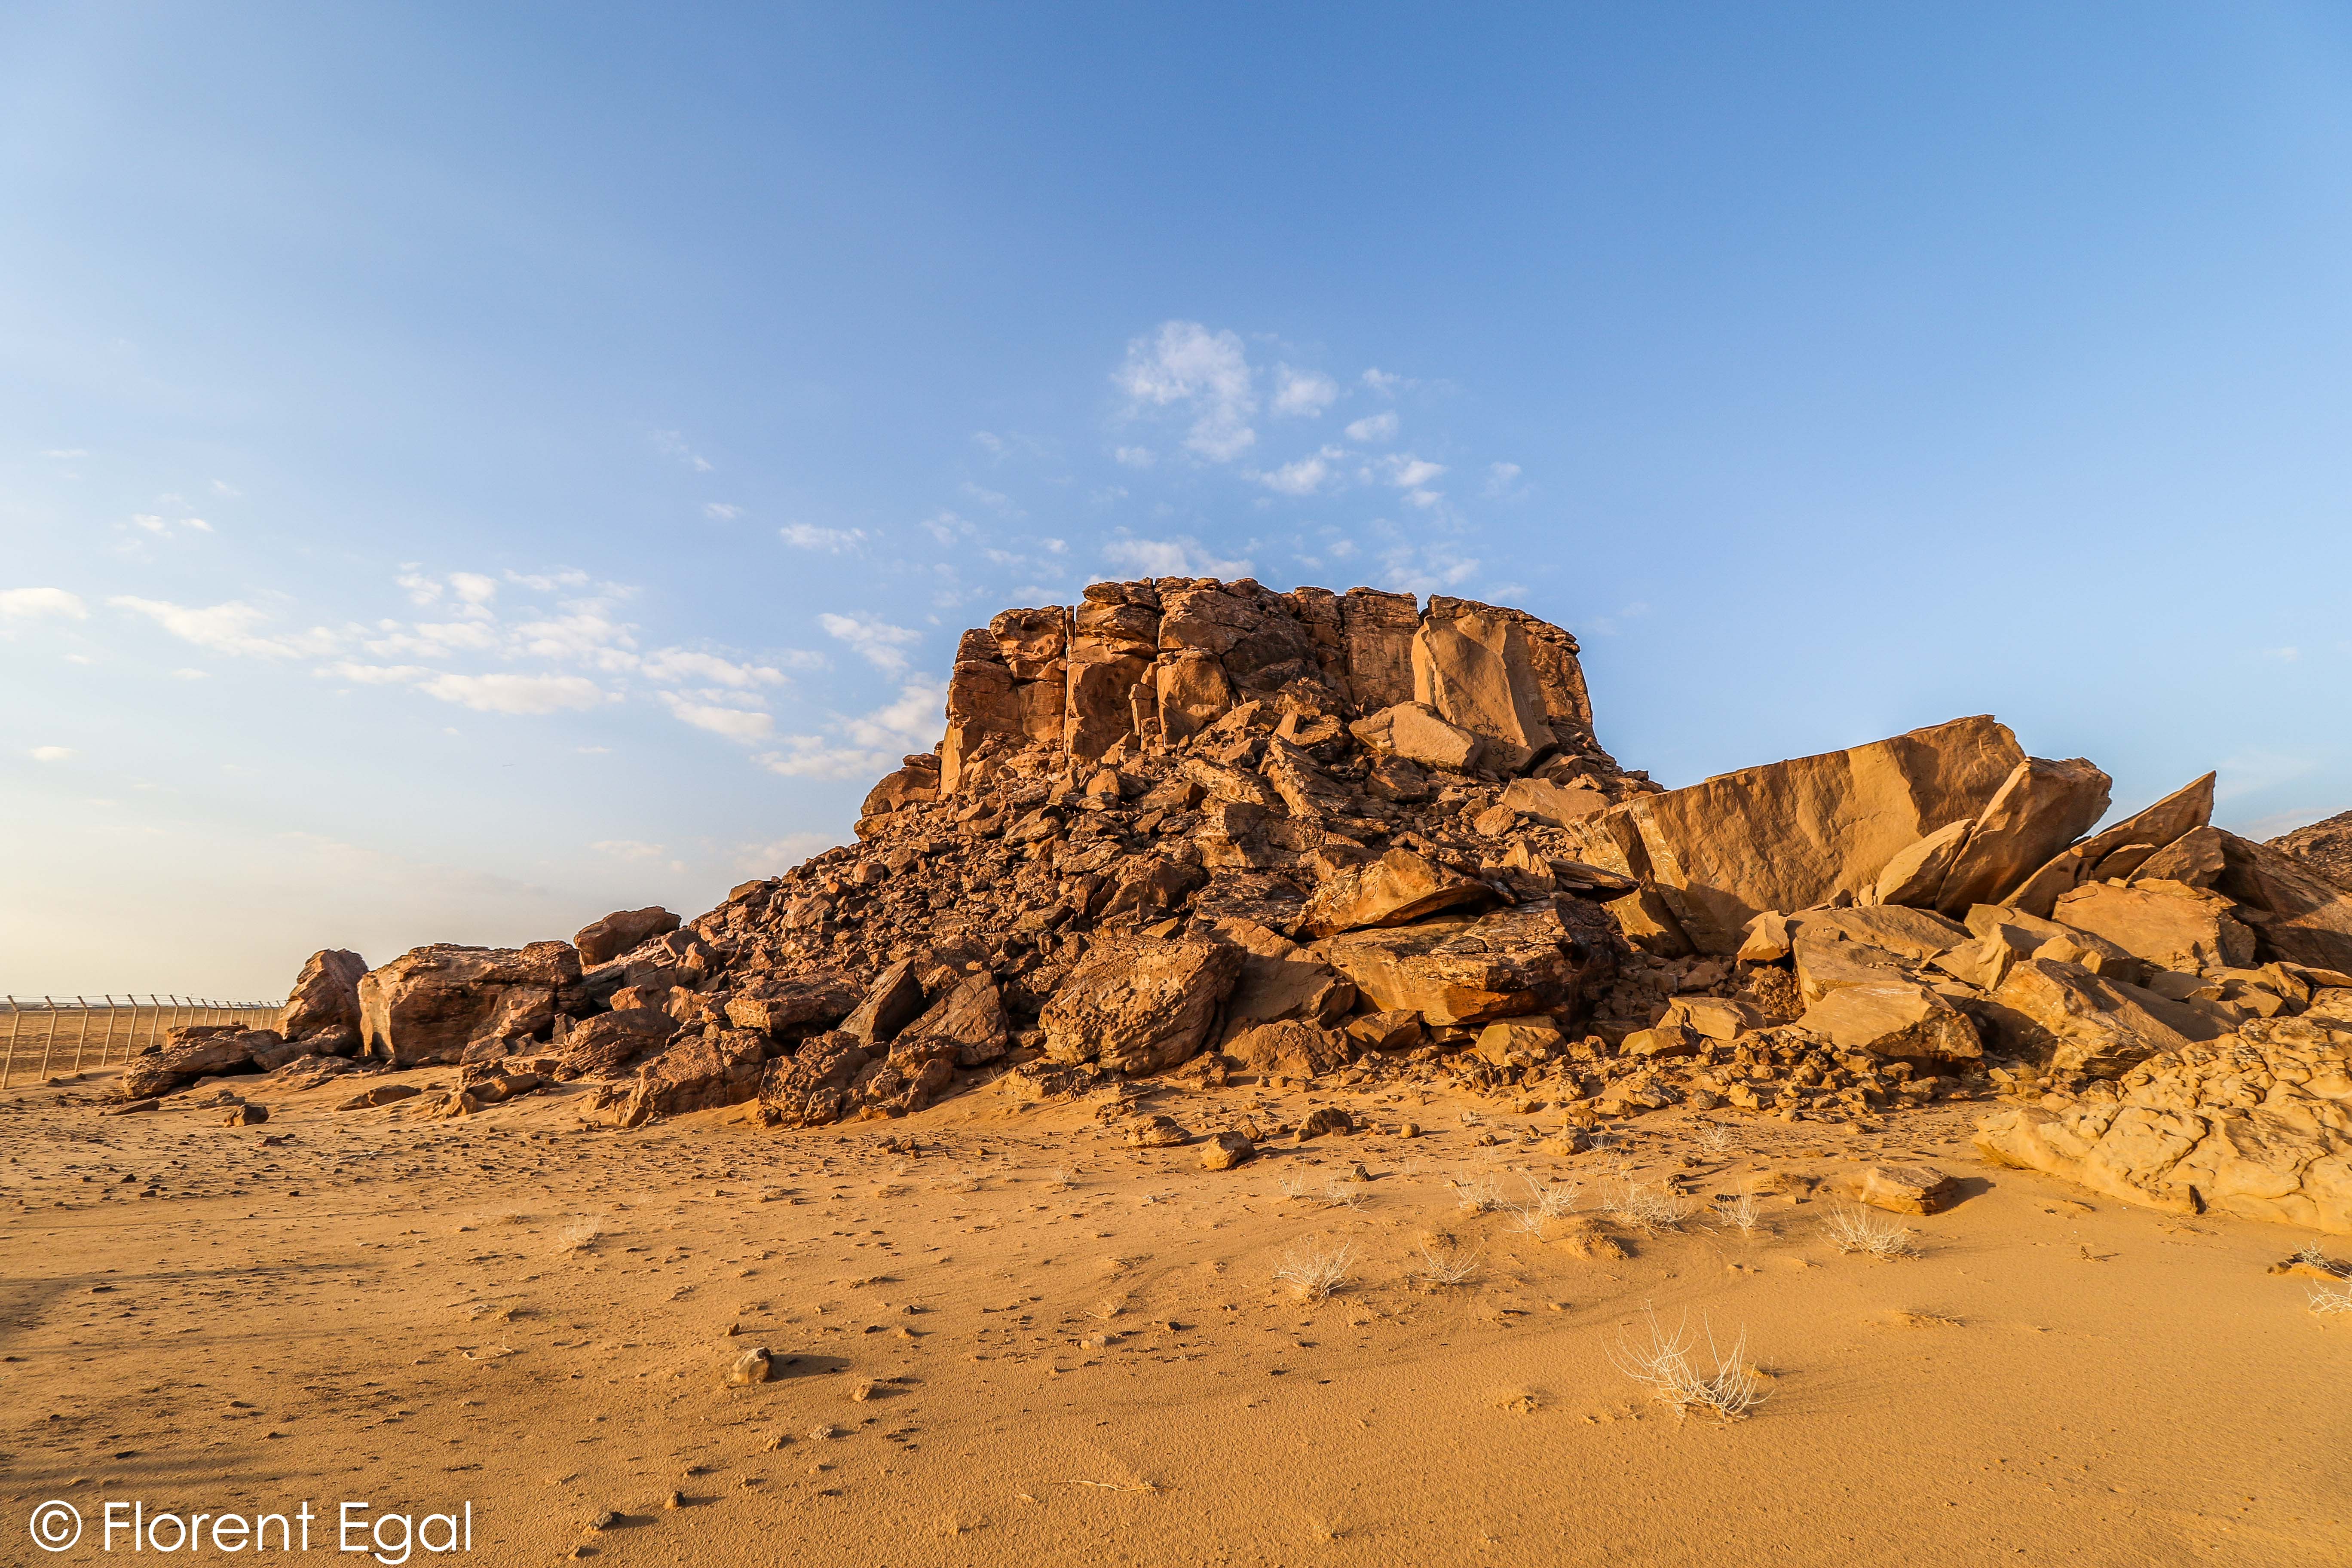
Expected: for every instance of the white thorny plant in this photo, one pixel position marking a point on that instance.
(1675, 1371)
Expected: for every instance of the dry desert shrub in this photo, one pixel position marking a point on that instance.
(1477, 1194)
(1338, 1193)
(1717, 1139)
(1639, 1205)
(1314, 1270)
(1442, 1264)
(2328, 1303)
(578, 1237)
(1739, 1212)
(1675, 1371)
(1852, 1228)
(1544, 1204)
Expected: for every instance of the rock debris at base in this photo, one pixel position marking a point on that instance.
(1188, 831)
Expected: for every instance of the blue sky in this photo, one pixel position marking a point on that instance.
(463, 468)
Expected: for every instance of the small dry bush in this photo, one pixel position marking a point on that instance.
(1717, 1139)
(1442, 1264)
(1854, 1228)
(578, 1237)
(1739, 1212)
(1679, 1374)
(1648, 1208)
(1314, 1270)
(2328, 1303)
(1477, 1194)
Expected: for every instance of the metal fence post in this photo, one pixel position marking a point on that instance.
(106, 1047)
(15, 1022)
(81, 1036)
(49, 1038)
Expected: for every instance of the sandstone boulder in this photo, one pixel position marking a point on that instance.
(915, 783)
(715, 1067)
(1278, 981)
(967, 1019)
(1473, 665)
(600, 941)
(1916, 876)
(1555, 804)
(189, 1055)
(2324, 848)
(1292, 1049)
(1139, 1005)
(2143, 833)
(2297, 914)
(2073, 1020)
(789, 1004)
(1416, 733)
(428, 1005)
(891, 1003)
(1223, 1151)
(1904, 1189)
(811, 1087)
(1899, 1019)
(2197, 858)
(1455, 970)
(1397, 889)
(2169, 924)
(1520, 1042)
(1827, 961)
(325, 993)
(1790, 835)
(2040, 809)
(608, 1044)
(1915, 934)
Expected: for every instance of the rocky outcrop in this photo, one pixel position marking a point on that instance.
(2258, 1124)
(1396, 889)
(1533, 958)
(601, 941)
(2325, 847)
(1792, 834)
(326, 995)
(431, 1002)
(2115, 851)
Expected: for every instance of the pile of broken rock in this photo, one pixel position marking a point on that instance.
(1196, 829)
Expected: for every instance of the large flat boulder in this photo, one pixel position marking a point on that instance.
(429, 1003)
(1456, 970)
(1279, 981)
(1398, 889)
(967, 1019)
(609, 1044)
(1139, 1004)
(787, 1005)
(811, 1088)
(206, 1051)
(601, 941)
(325, 993)
(2169, 924)
(1472, 666)
(1793, 835)
(1893, 1018)
(1417, 734)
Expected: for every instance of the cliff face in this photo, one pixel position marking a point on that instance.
(1136, 668)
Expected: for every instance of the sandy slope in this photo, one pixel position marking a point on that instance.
(1099, 1369)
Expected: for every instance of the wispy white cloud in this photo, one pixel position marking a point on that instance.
(54, 754)
(1373, 428)
(672, 444)
(1135, 456)
(804, 536)
(1502, 480)
(66, 454)
(1181, 557)
(720, 512)
(781, 854)
(41, 604)
(867, 744)
(1184, 365)
(374, 674)
(1302, 477)
(679, 664)
(628, 848)
(164, 527)
(876, 641)
(1303, 393)
(1385, 383)
(499, 692)
(736, 723)
(229, 628)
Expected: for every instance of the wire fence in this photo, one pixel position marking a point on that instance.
(49, 1036)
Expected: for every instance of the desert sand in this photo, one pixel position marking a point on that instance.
(1001, 1334)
